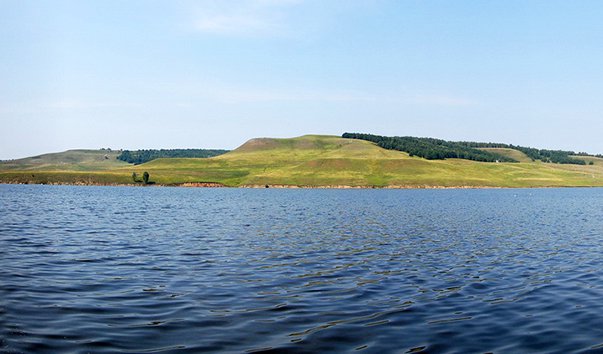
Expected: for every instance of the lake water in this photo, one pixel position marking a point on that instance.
(175, 270)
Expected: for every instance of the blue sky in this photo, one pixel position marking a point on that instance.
(212, 74)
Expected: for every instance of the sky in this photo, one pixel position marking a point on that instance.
(213, 74)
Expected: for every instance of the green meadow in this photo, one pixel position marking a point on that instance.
(310, 160)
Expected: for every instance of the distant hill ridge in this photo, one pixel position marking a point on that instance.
(138, 157)
(306, 161)
(437, 149)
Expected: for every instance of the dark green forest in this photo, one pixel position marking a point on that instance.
(437, 149)
(141, 156)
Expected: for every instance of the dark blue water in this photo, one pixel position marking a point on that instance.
(173, 270)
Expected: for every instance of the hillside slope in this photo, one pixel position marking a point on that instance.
(72, 160)
(315, 160)
(511, 153)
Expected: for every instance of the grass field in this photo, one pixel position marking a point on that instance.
(72, 160)
(512, 153)
(588, 159)
(311, 160)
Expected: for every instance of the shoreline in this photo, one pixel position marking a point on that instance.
(281, 186)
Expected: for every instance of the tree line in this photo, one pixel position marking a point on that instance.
(430, 148)
(141, 156)
(544, 155)
(437, 149)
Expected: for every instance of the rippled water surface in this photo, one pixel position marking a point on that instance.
(161, 270)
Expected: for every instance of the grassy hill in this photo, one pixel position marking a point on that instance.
(595, 160)
(315, 160)
(71, 160)
(511, 153)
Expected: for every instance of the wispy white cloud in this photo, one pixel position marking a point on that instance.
(243, 17)
(237, 95)
(234, 24)
(441, 100)
(7, 109)
(251, 96)
(75, 104)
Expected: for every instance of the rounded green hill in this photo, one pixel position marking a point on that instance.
(316, 161)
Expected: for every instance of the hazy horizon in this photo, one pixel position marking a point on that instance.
(211, 74)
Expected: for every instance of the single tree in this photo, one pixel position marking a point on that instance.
(134, 177)
(145, 177)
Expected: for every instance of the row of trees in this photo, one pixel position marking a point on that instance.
(544, 155)
(141, 156)
(434, 149)
(429, 148)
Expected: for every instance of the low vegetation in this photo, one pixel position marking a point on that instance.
(430, 148)
(138, 157)
(315, 161)
(71, 160)
(544, 155)
(437, 149)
